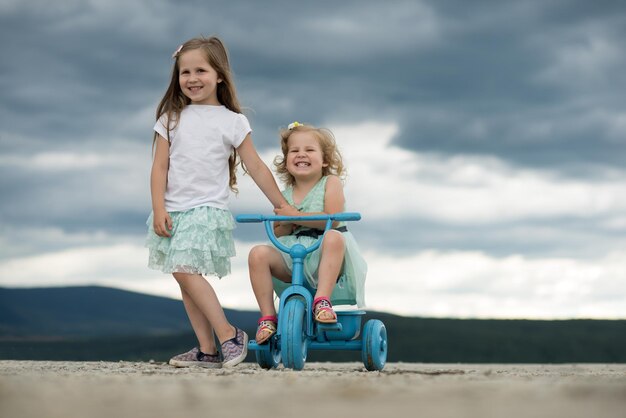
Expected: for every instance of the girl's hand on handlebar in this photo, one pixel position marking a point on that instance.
(287, 210)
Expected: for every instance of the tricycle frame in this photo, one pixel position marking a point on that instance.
(297, 332)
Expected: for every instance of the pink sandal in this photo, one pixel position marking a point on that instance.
(322, 305)
(267, 328)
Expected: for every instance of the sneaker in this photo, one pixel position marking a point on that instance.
(195, 357)
(235, 349)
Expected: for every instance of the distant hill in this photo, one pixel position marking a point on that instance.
(98, 323)
(94, 311)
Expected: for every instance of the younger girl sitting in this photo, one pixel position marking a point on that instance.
(311, 167)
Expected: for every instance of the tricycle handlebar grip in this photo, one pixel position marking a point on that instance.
(249, 218)
(347, 216)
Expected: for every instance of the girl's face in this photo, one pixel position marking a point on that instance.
(198, 80)
(305, 158)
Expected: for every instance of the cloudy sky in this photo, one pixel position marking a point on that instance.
(485, 142)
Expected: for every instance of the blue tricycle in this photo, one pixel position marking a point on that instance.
(297, 332)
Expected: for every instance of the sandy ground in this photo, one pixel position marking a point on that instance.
(124, 389)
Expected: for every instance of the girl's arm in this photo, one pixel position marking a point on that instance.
(260, 173)
(162, 222)
(334, 202)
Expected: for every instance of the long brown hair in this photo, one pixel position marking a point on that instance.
(174, 101)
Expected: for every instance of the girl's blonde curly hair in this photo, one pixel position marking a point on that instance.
(330, 153)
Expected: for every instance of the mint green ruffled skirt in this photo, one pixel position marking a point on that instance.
(201, 242)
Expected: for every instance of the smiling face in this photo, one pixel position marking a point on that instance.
(305, 159)
(198, 80)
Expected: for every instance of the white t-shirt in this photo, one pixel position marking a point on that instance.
(200, 146)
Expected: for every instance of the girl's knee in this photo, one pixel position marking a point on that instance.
(181, 277)
(259, 255)
(334, 240)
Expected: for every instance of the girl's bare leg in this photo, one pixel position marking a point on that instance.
(204, 303)
(333, 250)
(201, 326)
(263, 263)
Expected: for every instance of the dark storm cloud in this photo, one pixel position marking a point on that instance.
(535, 89)
(556, 237)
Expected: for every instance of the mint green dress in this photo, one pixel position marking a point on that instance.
(349, 290)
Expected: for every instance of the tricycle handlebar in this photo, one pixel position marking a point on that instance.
(267, 219)
(343, 216)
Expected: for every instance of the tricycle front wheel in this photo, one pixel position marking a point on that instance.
(294, 341)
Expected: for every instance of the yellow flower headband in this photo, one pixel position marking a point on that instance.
(293, 125)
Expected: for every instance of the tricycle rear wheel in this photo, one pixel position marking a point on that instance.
(269, 357)
(374, 351)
